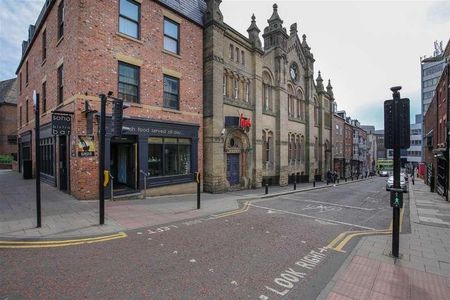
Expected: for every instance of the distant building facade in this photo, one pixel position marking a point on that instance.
(338, 144)
(8, 117)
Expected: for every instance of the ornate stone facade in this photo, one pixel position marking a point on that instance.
(273, 87)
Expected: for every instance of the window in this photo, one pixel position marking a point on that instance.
(128, 82)
(171, 92)
(12, 139)
(225, 84)
(267, 147)
(171, 36)
(242, 57)
(231, 52)
(169, 156)
(247, 91)
(236, 88)
(267, 92)
(26, 111)
(20, 82)
(26, 73)
(47, 156)
(44, 97)
(129, 15)
(60, 84)
(237, 55)
(61, 19)
(44, 45)
(20, 116)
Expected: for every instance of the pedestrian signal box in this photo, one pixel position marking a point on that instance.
(402, 123)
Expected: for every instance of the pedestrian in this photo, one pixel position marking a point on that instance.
(328, 176)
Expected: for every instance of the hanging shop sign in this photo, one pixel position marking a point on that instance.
(86, 147)
(61, 124)
(245, 123)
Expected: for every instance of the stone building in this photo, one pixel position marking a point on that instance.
(265, 117)
(8, 121)
(148, 53)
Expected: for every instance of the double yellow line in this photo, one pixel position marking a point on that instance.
(16, 244)
(342, 239)
(233, 212)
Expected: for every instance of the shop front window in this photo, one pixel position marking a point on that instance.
(169, 156)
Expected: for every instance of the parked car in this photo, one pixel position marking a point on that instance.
(404, 175)
(403, 184)
(384, 173)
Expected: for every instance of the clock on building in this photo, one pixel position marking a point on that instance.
(293, 70)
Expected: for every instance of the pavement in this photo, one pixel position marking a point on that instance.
(64, 217)
(423, 270)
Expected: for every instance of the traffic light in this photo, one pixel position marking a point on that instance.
(117, 118)
(402, 125)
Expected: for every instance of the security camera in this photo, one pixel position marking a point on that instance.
(222, 133)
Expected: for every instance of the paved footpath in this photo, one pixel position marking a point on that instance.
(63, 216)
(422, 272)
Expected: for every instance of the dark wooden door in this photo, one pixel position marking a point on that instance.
(233, 169)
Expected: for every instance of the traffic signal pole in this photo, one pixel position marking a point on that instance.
(101, 158)
(396, 208)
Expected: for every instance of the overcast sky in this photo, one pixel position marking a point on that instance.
(365, 47)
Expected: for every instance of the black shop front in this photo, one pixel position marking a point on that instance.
(161, 152)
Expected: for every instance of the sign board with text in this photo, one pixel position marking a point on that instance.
(61, 124)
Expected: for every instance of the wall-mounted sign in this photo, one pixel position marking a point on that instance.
(245, 123)
(86, 146)
(61, 124)
(241, 121)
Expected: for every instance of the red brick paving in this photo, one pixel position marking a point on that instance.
(367, 278)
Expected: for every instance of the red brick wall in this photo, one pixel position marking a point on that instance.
(430, 123)
(90, 51)
(348, 141)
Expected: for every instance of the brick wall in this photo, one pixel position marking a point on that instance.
(90, 52)
(7, 127)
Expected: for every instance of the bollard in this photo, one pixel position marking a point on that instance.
(338, 181)
(352, 177)
(345, 179)
(314, 183)
(295, 181)
(327, 182)
(413, 180)
(267, 189)
(198, 189)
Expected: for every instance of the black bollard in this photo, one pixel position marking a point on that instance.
(327, 182)
(314, 183)
(295, 181)
(198, 189)
(267, 189)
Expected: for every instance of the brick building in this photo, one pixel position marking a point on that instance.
(148, 53)
(8, 121)
(338, 145)
(264, 116)
(436, 132)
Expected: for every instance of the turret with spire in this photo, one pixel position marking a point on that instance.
(319, 83)
(274, 34)
(330, 89)
(253, 33)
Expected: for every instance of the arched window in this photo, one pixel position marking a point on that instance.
(291, 101)
(298, 149)
(267, 149)
(302, 149)
(300, 105)
(294, 152)
(289, 147)
(236, 88)
(316, 149)
(267, 92)
(247, 91)
(225, 83)
(316, 112)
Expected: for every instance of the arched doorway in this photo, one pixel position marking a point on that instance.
(236, 158)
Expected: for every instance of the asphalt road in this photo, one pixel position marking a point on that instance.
(274, 249)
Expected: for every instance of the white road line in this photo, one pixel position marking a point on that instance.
(328, 203)
(313, 217)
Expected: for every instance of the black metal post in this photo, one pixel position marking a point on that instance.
(295, 181)
(314, 182)
(37, 162)
(101, 158)
(198, 190)
(267, 189)
(396, 210)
